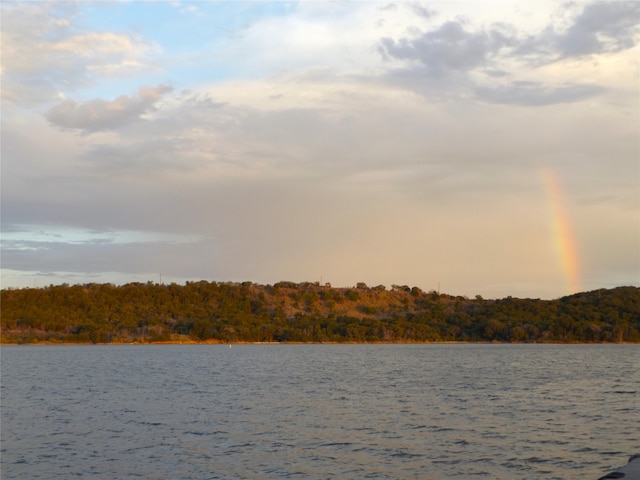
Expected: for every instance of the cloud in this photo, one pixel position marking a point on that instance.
(456, 52)
(101, 256)
(55, 248)
(450, 47)
(601, 27)
(95, 115)
(421, 10)
(312, 155)
(186, 9)
(534, 94)
(45, 51)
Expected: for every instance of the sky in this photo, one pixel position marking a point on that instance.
(468, 147)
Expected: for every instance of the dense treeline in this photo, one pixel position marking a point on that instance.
(307, 312)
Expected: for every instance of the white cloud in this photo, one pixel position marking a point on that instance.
(45, 51)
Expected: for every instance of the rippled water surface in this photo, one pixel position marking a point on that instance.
(318, 411)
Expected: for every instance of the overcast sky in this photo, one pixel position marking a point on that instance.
(476, 147)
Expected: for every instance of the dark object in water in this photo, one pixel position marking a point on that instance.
(631, 471)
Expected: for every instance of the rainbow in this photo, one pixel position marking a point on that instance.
(562, 232)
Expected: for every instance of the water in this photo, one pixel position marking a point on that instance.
(318, 411)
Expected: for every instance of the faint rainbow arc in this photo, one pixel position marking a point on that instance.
(564, 239)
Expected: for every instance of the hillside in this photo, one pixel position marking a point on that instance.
(307, 312)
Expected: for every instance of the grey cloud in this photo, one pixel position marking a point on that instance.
(421, 10)
(199, 102)
(147, 156)
(96, 115)
(416, 7)
(13, 228)
(443, 60)
(601, 27)
(496, 73)
(388, 7)
(133, 258)
(450, 47)
(534, 94)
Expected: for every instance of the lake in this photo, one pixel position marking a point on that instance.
(437, 411)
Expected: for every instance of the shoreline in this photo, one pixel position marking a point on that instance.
(49, 344)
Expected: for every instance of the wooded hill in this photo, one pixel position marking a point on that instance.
(307, 312)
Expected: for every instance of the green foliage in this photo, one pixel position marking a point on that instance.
(307, 312)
